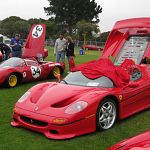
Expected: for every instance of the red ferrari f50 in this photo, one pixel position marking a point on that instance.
(95, 94)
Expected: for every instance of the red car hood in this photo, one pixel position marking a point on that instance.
(51, 97)
(139, 142)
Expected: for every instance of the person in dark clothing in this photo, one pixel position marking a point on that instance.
(70, 52)
(16, 44)
(5, 50)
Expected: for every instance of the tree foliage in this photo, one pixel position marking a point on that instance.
(85, 28)
(103, 36)
(12, 25)
(68, 12)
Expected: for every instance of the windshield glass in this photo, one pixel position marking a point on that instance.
(77, 78)
(134, 48)
(12, 62)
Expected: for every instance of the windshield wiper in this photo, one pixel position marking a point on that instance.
(65, 81)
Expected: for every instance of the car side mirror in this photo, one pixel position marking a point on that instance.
(133, 85)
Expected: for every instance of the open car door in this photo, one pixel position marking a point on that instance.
(35, 42)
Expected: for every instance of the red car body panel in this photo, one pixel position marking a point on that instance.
(26, 70)
(35, 42)
(121, 31)
(92, 47)
(34, 46)
(48, 101)
(139, 142)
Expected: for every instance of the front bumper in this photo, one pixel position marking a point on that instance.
(41, 123)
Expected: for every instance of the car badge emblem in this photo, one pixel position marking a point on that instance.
(120, 97)
(36, 108)
(31, 121)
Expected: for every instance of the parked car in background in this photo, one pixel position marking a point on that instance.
(92, 47)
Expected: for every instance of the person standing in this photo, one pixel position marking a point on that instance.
(16, 44)
(5, 50)
(59, 48)
(70, 52)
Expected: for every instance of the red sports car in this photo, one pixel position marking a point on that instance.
(17, 70)
(139, 142)
(95, 94)
(92, 47)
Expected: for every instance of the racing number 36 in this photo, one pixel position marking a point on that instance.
(36, 71)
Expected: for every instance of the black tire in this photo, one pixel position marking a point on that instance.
(106, 114)
(12, 80)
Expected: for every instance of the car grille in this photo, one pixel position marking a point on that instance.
(33, 121)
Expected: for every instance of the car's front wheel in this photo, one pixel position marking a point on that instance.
(55, 72)
(106, 114)
(12, 80)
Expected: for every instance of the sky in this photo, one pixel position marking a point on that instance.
(113, 10)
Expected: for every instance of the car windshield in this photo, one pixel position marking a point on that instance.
(12, 62)
(134, 48)
(77, 78)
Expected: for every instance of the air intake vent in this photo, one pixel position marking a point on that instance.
(33, 121)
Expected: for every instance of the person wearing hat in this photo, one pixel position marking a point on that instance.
(16, 44)
(5, 50)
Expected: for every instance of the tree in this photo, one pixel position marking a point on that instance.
(21, 27)
(51, 29)
(84, 29)
(12, 25)
(103, 37)
(68, 12)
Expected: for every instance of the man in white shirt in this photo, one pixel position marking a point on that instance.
(59, 48)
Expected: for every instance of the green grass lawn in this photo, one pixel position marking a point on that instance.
(23, 139)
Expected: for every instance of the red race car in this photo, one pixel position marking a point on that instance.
(139, 142)
(92, 47)
(95, 94)
(17, 70)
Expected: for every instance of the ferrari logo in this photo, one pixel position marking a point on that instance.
(36, 108)
(31, 121)
(120, 97)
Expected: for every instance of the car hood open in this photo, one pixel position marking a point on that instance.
(121, 31)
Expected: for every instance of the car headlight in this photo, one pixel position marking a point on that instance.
(76, 107)
(24, 97)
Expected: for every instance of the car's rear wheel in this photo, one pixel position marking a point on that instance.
(12, 80)
(55, 72)
(106, 114)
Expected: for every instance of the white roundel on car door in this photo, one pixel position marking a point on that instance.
(37, 31)
(36, 71)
